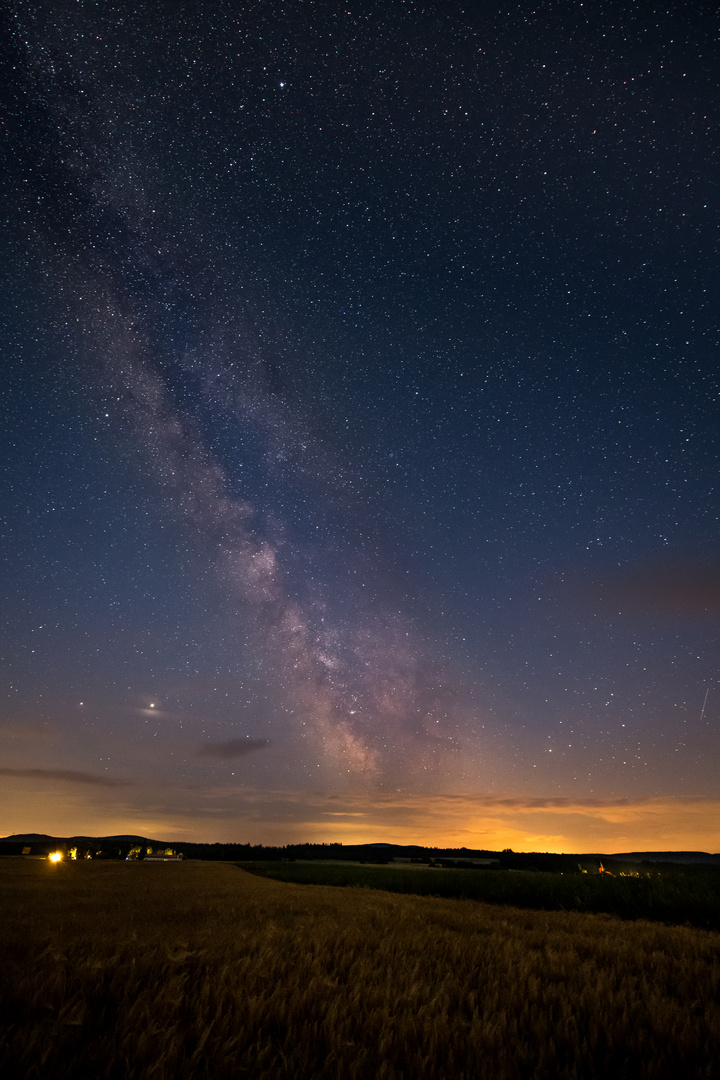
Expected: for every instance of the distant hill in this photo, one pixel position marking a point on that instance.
(44, 838)
(26, 838)
(125, 838)
(685, 857)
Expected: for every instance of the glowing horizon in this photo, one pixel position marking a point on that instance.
(493, 823)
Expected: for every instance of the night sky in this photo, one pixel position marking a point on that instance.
(359, 458)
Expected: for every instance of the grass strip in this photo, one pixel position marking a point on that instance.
(667, 896)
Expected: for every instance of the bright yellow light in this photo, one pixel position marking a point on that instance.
(55, 857)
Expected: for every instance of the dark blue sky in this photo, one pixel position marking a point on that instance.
(360, 455)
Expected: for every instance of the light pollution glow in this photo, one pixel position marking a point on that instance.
(283, 817)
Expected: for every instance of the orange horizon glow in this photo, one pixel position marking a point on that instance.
(277, 818)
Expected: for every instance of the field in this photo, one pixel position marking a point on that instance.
(202, 970)
(689, 896)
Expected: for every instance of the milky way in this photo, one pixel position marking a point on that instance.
(361, 465)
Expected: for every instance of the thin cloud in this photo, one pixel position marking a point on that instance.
(233, 748)
(70, 776)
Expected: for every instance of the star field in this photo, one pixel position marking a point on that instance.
(360, 454)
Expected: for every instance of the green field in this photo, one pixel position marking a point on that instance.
(689, 897)
(202, 970)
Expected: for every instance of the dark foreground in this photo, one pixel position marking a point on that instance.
(200, 970)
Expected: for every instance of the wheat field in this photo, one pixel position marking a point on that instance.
(201, 970)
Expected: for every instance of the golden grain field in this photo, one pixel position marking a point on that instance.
(200, 970)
